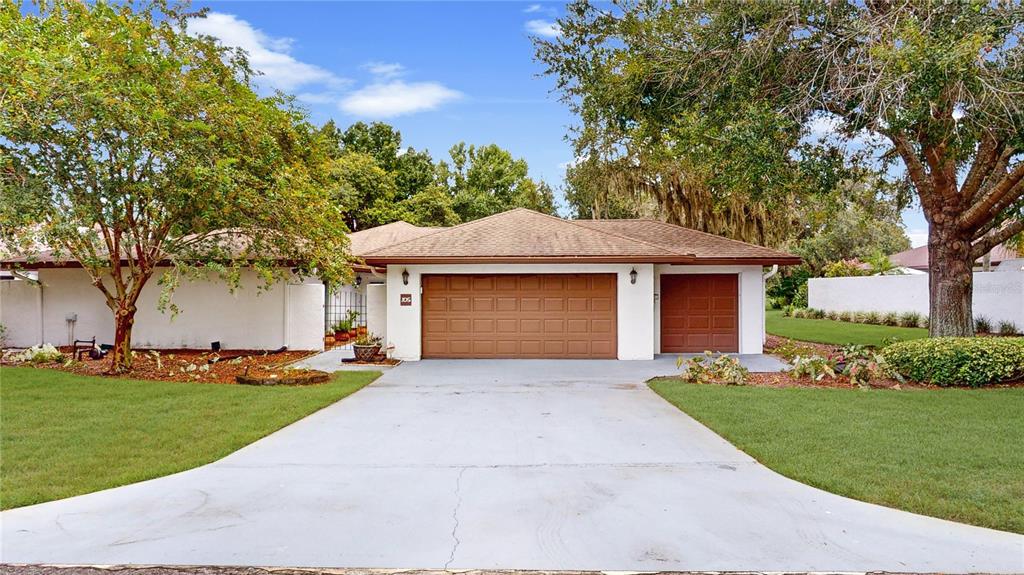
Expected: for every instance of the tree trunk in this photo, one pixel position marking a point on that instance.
(121, 355)
(950, 280)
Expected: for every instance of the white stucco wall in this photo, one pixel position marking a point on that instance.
(290, 315)
(635, 302)
(751, 301)
(377, 310)
(20, 312)
(999, 296)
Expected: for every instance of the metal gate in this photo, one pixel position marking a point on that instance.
(342, 300)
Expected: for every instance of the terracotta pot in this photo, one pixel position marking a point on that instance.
(341, 336)
(328, 340)
(361, 329)
(353, 333)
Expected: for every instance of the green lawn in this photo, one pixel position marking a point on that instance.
(949, 453)
(65, 434)
(836, 332)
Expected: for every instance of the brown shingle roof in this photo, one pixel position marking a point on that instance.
(365, 241)
(700, 244)
(529, 236)
(917, 258)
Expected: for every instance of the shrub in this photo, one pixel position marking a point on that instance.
(843, 268)
(910, 319)
(925, 322)
(982, 324)
(947, 361)
(1007, 328)
(800, 297)
(847, 316)
(787, 311)
(800, 313)
(813, 366)
(892, 319)
(862, 369)
(777, 302)
(710, 369)
(39, 354)
(791, 349)
(832, 315)
(872, 317)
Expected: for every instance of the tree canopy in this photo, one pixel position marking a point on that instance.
(726, 92)
(135, 147)
(378, 181)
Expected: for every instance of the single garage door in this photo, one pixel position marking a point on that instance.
(519, 316)
(699, 312)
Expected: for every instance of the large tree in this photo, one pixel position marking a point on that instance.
(485, 180)
(939, 87)
(137, 148)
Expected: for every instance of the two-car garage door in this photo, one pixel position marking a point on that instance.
(519, 316)
(568, 315)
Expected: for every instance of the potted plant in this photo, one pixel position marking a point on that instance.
(353, 315)
(341, 330)
(361, 330)
(329, 339)
(366, 347)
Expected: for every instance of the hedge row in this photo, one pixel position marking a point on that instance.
(948, 361)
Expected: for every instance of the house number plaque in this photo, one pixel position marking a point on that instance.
(405, 299)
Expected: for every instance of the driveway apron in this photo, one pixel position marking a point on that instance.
(497, 464)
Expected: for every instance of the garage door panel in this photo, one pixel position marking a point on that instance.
(505, 304)
(528, 304)
(699, 312)
(519, 315)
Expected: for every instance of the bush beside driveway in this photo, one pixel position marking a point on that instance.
(66, 434)
(952, 453)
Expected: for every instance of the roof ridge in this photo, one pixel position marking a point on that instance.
(439, 230)
(620, 236)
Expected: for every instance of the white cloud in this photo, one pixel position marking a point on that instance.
(533, 8)
(543, 28)
(385, 69)
(396, 98)
(266, 54)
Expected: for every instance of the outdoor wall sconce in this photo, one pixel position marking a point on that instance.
(359, 280)
(632, 276)
(405, 277)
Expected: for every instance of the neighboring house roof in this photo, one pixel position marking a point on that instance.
(917, 258)
(525, 236)
(365, 241)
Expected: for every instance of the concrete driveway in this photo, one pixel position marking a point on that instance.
(497, 464)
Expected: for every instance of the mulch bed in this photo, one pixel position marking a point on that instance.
(188, 364)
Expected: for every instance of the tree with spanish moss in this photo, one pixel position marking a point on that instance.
(931, 91)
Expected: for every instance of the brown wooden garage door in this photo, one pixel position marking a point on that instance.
(519, 316)
(699, 312)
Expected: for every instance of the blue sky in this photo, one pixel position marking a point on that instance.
(440, 72)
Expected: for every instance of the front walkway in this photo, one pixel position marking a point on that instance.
(497, 464)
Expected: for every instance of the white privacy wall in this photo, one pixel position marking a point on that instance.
(635, 302)
(287, 314)
(999, 296)
(751, 301)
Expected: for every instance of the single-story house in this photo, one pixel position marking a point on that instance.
(521, 284)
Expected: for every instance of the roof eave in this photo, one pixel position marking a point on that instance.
(409, 260)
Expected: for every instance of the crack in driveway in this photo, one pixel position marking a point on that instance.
(455, 517)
